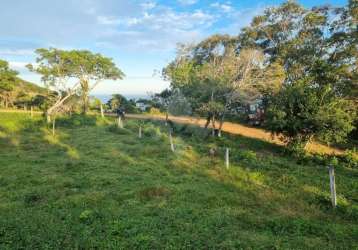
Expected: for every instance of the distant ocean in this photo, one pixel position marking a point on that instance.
(104, 98)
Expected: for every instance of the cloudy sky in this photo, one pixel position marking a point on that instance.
(139, 35)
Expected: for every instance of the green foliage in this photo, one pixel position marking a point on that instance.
(57, 66)
(299, 112)
(91, 188)
(350, 157)
(76, 120)
(119, 101)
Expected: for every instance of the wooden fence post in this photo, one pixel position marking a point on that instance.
(171, 141)
(332, 185)
(31, 111)
(53, 126)
(119, 122)
(227, 158)
(140, 132)
(102, 114)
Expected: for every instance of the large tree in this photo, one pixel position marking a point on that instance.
(71, 72)
(317, 49)
(214, 76)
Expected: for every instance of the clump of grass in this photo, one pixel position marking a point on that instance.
(33, 198)
(121, 131)
(154, 192)
(76, 120)
(125, 192)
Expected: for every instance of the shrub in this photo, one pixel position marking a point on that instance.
(350, 157)
(154, 192)
(155, 111)
(300, 112)
(76, 120)
(121, 131)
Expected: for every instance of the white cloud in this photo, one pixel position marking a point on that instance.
(132, 32)
(108, 20)
(187, 2)
(159, 29)
(16, 52)
(148, 5)
(222, 7)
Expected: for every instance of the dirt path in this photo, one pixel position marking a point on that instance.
(229, 127)
(238, 129)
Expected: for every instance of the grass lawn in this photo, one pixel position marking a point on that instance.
(94, 186)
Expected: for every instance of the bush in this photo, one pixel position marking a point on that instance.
(247, 155)
(121, 131)
(155, 111)
(76, 120)
(301, 112)
(190, 130)
(350, 157)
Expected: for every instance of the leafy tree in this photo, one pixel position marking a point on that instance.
(7, 80)
(162, 100)
(317, 50)
(91, 69)
(300, 112)
(177, 104)
(72, 72)
(119, 101)
(215, 79)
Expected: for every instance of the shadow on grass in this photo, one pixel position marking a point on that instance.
(124, 192)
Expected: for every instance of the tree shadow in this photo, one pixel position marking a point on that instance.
(158, 196)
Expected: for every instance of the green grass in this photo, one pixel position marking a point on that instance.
(94, 186)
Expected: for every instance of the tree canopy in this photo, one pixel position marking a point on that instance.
(85, 69)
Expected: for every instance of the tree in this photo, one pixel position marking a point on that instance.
(162, 100)
(71, 72)
(215, 77)
(177, 104)
(7, 81)
(91, 69)
(317, 50)
(300, 112)
(120, 101)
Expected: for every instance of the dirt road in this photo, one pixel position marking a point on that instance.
(229, 127)
(238, 129)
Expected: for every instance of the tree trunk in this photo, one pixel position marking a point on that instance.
(85, 93)
(213, 124)
(102, 113)
(166, 118)
(53, 126)
(208, 119)
(85, 103)
(221, 124)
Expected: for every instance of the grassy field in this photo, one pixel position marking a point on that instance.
(94, 186)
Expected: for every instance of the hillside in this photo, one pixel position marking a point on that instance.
(94, 186)
(29, 88)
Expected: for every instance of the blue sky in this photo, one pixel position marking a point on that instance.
(140, 35)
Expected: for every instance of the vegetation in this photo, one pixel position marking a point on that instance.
(58, 67)
(120, 101)
(93, 185)
(93, 182)
(302, 63)
(17, 92)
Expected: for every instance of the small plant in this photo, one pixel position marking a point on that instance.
(350, 157)
(33, 198)
(248, 155)
(121, 131)
(76, 120)
(154, 192)
(86, 216)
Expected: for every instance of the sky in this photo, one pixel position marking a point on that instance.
(140, 35)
